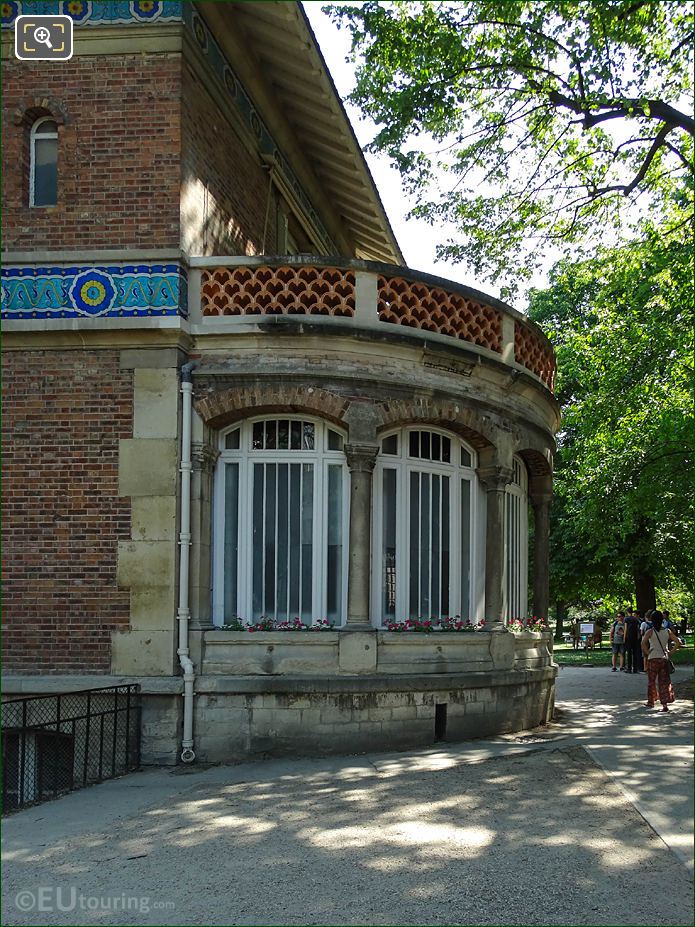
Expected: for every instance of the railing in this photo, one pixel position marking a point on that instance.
(369, 294)
(52, 744)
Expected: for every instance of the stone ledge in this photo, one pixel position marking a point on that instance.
(267, 685)
(53, 685)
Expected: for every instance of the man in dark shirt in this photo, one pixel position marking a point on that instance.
(633, 650)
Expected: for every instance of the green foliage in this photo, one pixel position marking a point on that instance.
(566, 655)
(544, 118)
(621, 324)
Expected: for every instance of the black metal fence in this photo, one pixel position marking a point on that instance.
(52, 744)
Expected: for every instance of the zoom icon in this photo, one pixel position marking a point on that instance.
(43, 38)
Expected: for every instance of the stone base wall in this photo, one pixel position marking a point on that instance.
(162, 729)
(312, 717)
(301, 713)
(339, 653)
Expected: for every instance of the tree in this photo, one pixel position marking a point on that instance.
(621, 324)
(550, 116)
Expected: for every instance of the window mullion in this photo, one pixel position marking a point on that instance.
(430, 483)
(441, 544)
(218, 551)
(319, 605)
(244, 602)
(301, 539)
(276, 528)
(289, 509)
(263, 468)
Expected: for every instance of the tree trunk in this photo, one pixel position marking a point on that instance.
(560, 615)
(645, 593)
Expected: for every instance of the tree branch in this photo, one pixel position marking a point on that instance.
(679, 154)
(613, 109)
(640, 175)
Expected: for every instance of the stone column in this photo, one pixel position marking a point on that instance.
(361, 459)
(494, 480)
(204, 457)
(541, 498)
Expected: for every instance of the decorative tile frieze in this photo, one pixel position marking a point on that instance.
(113, 291)
(95, 12)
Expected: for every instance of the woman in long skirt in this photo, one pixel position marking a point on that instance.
(657, 649)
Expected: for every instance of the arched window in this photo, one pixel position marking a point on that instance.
(516, 542)
(425, 516)
(43, 163)
(281, 522)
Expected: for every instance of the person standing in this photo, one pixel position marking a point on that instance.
(656, 649)
(647, 622)
(633, 649)
(617, 639)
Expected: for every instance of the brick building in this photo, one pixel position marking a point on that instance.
(227, 400)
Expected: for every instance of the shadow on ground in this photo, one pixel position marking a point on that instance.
(435, 837)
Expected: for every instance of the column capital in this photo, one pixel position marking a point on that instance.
(495, 478)
(361, 458)
(204, 456)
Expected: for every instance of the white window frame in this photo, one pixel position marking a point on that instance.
(321, 458)
(516, 509)
(35, 133)
(404, 464)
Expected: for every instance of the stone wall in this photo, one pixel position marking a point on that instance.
(340, 653)
(148, 475)
(275, 693)
(356, 715)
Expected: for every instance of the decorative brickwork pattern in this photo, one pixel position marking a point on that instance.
(278, 291)
(534, 353)
(419, 305)
(466, 422)
(64, 413)
(222, 407)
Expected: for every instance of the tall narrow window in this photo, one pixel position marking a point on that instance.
(424, 520)
(281, 535)
(516, 543)
(43, 172)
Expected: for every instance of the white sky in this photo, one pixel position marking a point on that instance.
(416, 238)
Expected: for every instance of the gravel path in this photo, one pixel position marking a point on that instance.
(519, 831)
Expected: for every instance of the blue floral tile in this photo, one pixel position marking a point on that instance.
(122, 291)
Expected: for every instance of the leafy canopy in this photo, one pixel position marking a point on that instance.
(527, 121)
(621, 324)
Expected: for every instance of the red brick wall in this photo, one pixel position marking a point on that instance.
(224, 188)
(119, 152)
(64, 412)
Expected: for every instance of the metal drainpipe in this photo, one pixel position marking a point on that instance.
(183, 615)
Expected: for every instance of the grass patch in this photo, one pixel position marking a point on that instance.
(566, 655)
